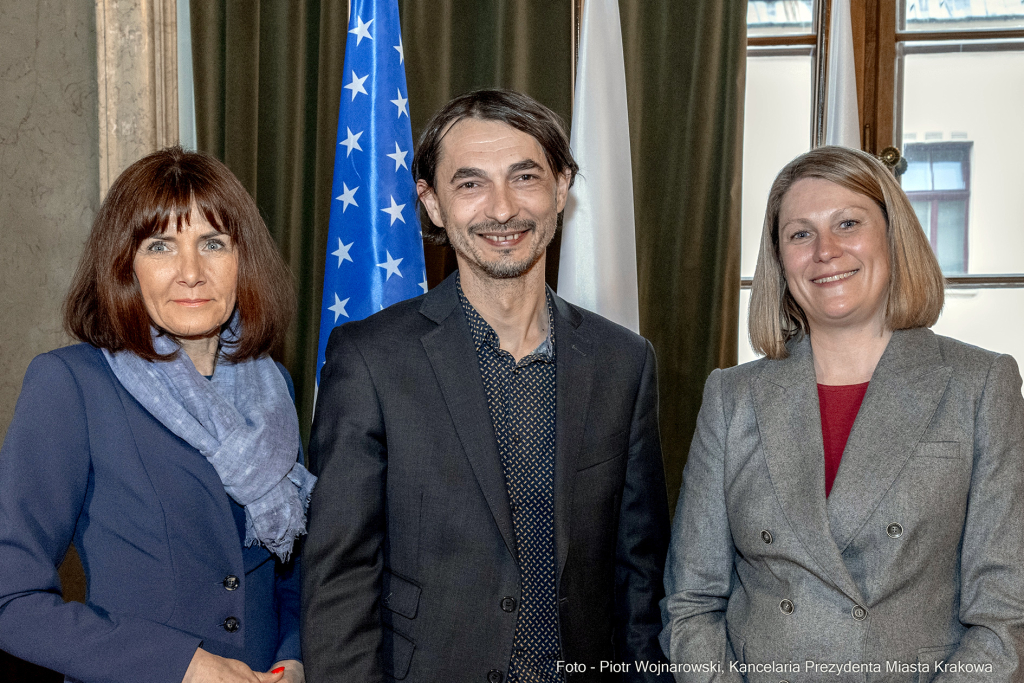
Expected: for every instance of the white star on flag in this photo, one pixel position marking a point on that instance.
(400, 103)
(424, 283)
(395, 211)
(391, 265)
(342, 253)
(338, 308)
(347, 196)
(356, 86)
(367, 186)
(399, 157)
(362, 30)
(352, 141)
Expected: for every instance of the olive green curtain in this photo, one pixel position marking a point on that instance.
(268, 82)
(455, 46)
(268, 79)
(685, 69)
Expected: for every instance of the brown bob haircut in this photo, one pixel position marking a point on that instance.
(916, 285)
(104, 306)
(515, 109)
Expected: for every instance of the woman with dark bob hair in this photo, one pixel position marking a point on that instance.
(853, 503)
(165, 447)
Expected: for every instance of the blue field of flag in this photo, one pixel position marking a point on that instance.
(374, 246)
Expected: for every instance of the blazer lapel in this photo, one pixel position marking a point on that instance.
(453, 357)
(173, 467)
(789, 420)
(575, 366)
(904, 392)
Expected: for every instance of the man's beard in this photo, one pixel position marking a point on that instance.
(504, 269)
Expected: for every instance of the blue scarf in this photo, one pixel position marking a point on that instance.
(244, 422)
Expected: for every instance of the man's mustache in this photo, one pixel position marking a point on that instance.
(514, 225)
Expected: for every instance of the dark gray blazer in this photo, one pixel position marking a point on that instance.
(916, 557)
(411, 554)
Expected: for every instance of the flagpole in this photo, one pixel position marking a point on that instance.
(820, 114)
(576, 21)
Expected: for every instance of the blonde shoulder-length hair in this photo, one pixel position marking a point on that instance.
(916, 285)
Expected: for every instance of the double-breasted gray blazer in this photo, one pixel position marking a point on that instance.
(911, 570)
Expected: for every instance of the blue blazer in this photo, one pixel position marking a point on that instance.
(159, 539)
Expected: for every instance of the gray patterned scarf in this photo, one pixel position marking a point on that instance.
(243, 420)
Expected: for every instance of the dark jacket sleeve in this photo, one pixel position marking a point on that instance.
(45, 471)
(288, 610)
(288, 581)
(343, 556)
(643, 533)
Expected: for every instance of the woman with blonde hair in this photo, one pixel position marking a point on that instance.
(852, 502)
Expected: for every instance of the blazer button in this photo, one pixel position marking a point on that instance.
(508, 604)
(786, 606)
(894, 530)
(231, 624)
(859, 613)
(766, 536)
(231, 582)
(494, 676)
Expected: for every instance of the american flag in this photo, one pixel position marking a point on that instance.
(374, 247)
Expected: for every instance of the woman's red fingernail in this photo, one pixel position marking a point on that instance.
(278, 670)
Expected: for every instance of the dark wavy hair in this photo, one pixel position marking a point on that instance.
(104, 306)
(513, 108)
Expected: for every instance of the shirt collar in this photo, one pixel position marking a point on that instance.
(483, 333)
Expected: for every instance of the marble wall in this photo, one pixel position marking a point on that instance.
(49, 172)
(86, 88)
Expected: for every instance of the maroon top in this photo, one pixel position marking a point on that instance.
(839, 406)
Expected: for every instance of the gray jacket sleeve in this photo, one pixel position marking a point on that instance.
(992, 555)
(699, 571)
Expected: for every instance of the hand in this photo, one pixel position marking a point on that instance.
(209, 668)
(293, 671)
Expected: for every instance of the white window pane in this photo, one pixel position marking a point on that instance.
(779, 17)
(990, 318)
(918, 176)
(776, 128)
(975, 97)
(948, 175)
(959, 15)
(746, 353)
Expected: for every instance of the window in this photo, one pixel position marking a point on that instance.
(943, 81)
(937, 182)
(781, 44)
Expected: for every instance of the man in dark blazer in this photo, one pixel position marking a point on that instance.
(491, 504)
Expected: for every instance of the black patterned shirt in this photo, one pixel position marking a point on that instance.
(521, 399)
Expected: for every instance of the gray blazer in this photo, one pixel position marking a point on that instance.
(916, 557)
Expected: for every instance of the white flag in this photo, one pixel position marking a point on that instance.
(597, 269)
(842, 124)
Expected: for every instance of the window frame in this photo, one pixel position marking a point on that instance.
(881, 43)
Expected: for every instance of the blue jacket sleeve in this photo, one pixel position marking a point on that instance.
(45, 473)
(288, 581)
